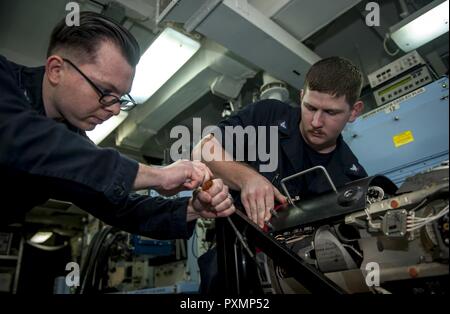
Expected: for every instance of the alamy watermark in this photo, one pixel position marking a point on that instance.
(241, 144)
(73, 277)
(373, 274)
(73, 17)
(373, 17)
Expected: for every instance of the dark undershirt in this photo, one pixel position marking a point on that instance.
(313, 158)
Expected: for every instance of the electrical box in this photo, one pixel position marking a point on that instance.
(405, 136)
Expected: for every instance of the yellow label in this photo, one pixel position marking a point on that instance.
(403, 138)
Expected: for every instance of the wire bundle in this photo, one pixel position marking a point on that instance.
(96, 260)
(414, 223)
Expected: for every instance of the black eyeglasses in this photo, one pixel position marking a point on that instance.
(126, 102)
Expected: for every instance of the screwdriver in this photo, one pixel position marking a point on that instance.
(205, 187)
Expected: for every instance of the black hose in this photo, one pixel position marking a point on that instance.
(89, 266)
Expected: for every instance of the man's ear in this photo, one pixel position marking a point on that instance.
(356, 110)
(53, 69)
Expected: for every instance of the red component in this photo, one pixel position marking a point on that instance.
(266, 228)
(413, 272)
(279, 207)
(394, 204)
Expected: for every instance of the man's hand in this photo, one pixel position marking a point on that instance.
(258, 196)
(182, 175)
(211, 202)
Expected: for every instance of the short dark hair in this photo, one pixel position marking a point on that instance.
(84, 40)
(335, 76)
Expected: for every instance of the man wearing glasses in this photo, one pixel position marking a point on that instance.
(44, 151)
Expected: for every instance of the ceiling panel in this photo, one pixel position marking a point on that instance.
(302, 18)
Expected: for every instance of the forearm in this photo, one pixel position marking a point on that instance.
(231, 172)
(154, 217)
(147, 177)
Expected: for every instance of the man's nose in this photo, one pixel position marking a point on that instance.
(115, 109)
(317, 119)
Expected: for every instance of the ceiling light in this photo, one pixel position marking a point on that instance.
(422, 26)
(166, 55)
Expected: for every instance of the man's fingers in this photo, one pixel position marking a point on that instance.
(227, 212)
(191, 185)
(253, 209)
(216, 187)
(280, 197)
(211, 176)
(220, 197)
(246, 205)
(269, 205)
(214, 194)
(205, 171)
(261, 207)
(224, 205)
(196, 177)
(204, 197)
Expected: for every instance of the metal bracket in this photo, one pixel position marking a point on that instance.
(291, 201)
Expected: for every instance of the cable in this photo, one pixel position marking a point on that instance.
(87, 260)
(194, 237)
(241, 238)
(88, 268)
(420, 205)
(392, 54)
(244, 244)
(419, 222)
(102, 261)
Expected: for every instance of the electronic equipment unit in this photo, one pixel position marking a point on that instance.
(403, 85)
(395, 68)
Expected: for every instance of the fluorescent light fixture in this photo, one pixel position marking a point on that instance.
(166, 55)
(41, 237)
(101, 131)
(422, 26)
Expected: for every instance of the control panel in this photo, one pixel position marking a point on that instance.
(403, 85)
(395, 68)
